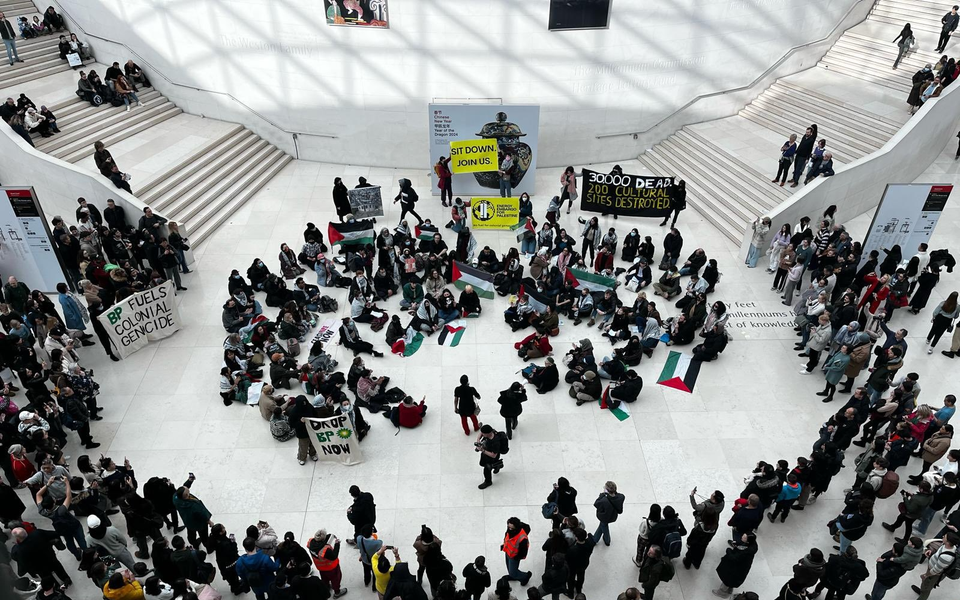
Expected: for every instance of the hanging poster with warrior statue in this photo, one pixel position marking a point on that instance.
(465, 131)
(362, 13)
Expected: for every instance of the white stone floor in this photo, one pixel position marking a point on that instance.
(162, 412)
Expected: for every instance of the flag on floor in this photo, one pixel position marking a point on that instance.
(537, 300)
(425, 231)
(452, 332)
(594, 283)
(482, 282)
(357, 232)
(621, 411)
(680, 372)
(408, 344)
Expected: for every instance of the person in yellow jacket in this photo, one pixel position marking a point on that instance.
(382, 569)
(122, 586)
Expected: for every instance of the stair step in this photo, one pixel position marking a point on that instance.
(92, 117)
(95, 122)
(737, 169)
(858, 135)
(878, 64)
(897, 19)
(213, 220)
(840, 149)
(926, 12)
(732, 229)
(885, 124)
(232, 144)
(14, 10)
(78, 152)
(179, 197)
(28, 77)
(888, 48)
(827, 63)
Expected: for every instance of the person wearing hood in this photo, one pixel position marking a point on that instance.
(609, 505)
(109, 539)
(735, 565)
(515, 546)
(511, 406)
(706, 515)
(193, 513)
(341, 201)
(408, 200)
(843, 575)
(806, 573)
(403, 584)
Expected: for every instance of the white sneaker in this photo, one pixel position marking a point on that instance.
(128, 108)
(141, 103)
(930, 350)
(804, 371)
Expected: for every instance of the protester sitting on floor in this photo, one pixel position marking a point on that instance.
(714, 342)
(545, 378)
(535, 345)
(408, 414)
(587, 389)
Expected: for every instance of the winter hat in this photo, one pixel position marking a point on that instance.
(589, 375)
(26, 415)
(93, 521)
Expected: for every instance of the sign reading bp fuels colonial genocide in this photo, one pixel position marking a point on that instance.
(495, 213)
(142, 318)
(626, 195)
(334, 439)
(473, 156)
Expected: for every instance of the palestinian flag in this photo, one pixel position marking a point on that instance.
(594, 283)
(680, 372)
(524, 228)
(425, 232)
(622, 410)
(408, 344)
(482, 282)
(359, 232)
(452, 332)
(537, 300)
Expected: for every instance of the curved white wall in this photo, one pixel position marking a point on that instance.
(371, 87)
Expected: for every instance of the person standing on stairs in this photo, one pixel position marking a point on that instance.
(904, 41)
(804, 150)
(9, 35)
(787, 150)
(950, 22)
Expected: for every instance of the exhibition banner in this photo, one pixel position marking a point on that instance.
(473, 156)
(365, 202)
(27, 251)
(356, 13)
(513, 128)
(907, 215)
(142, 318)
(495, 212)
(626, 195)
(335, 439)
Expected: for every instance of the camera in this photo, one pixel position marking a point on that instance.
(479, 446)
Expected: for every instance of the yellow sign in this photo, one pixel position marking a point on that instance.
(495, 213)
(473, 156)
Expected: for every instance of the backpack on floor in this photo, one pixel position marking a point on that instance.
(328, 304)
(116, 101)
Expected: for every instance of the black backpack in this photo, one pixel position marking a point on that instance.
(672, 545)
(328, 304)
(504, 443)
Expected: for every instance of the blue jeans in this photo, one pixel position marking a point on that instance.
(753, 256)
(528, 245)
(684, 270)
(506, 188)
(127, 97)
(603, 530)
(74, 538)
(879, 591)
(513, 571)
(844, 542)
(11, 50)
(921, 525)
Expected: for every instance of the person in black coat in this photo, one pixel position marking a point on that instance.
(888, 571)
(341, 200)
(226, 557)
(629, 388)
(476, 577)
(35, 554)
(736, 563)
(713, 344)
(511, 406)
(403, 584)
(545, 378)
(362, 512)
(843, 575)
(565, 497)
(748, 518)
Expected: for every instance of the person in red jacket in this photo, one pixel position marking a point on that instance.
(411, 414)
(535, 345)
(604, 260)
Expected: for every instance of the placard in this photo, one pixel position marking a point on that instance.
(513, 127)
(626, 195)
(27, 251)
(142, 318)
(907, 215)
(495, 212)
(473, 156)
(335, 439)
(365, 202)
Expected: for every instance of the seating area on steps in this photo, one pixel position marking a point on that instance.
(729, 163)
(188, 168)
